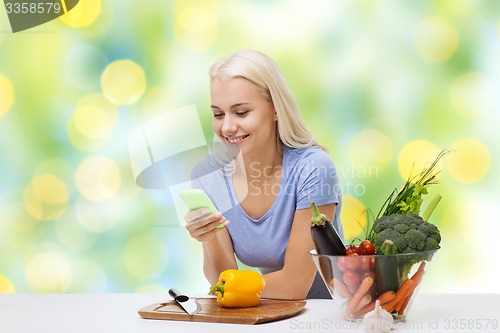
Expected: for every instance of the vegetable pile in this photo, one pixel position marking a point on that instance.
(378, 268)
(360, 282)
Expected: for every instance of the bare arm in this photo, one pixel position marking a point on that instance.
(218, 253)
(297, 275)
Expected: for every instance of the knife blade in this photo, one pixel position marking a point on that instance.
(191, 306)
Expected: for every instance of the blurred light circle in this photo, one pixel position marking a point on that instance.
(145, 256)
(39, 209)
(472, 95)
(83, 14)
(370, 147)
(417, 155)
(123, 82)
(6, 95)
(82, 142)
(95, 117)
(98, 178)
(435, 40)
(469, 160)
(50, 189)
(6, 286)
(390, 126)
(353, 217)
(48, 272)
(92, 122)
(100, 216)
(33, 204)
(195, 28)
(60, 167)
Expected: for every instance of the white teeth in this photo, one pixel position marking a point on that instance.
(234, 140)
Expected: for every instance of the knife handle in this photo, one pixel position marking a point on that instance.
(177, 295)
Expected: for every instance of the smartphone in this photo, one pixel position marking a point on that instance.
(196, 199)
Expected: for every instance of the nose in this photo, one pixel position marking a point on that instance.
(229, 126)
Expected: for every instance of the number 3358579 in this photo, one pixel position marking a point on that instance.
(32, 8)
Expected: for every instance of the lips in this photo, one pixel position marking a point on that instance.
(237, 139)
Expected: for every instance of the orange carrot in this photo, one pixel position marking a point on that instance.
(417, 277)
(405, 304)
(406, 294)
(365, 309)
(364, 301)
(341, 289)
(383, 299)
(386, 297)
(362, 290)
(401, 293)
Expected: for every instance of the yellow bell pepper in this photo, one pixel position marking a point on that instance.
(238, 288)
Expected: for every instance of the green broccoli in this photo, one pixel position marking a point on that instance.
(388, 247)
(411, 234)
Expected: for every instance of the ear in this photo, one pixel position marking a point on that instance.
(275, 116)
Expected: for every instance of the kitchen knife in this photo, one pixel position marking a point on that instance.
(191, 306)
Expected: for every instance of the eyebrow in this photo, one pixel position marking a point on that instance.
(231, 107)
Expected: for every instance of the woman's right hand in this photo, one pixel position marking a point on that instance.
(204, 229)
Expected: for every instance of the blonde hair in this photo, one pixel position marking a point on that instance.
(265, 74)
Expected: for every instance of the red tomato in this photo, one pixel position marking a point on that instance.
(341, 263)
(352, 280)
(352, 262)
(366, 263)
(367, 248)
(353, 249)
(367, 274)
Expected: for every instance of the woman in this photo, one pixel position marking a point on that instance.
(278, 171)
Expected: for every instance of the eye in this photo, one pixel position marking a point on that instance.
(242, 113)
(218, 115)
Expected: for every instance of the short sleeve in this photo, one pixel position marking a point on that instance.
(318, 181)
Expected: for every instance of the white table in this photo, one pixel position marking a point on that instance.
(23, 313)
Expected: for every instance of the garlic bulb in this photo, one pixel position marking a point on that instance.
(378, 320)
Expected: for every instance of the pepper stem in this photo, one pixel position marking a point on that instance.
(318, 219)
(217, 288)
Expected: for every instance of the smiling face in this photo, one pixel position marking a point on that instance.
(243, 117)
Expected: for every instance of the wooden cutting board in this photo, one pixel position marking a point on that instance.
(266, 311)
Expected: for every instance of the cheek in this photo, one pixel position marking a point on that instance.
(216, 125)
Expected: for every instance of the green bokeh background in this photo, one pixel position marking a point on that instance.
(371, 78)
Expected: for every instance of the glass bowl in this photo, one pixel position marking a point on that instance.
(356, 282)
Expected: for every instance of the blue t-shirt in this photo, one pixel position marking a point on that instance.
(308, 174)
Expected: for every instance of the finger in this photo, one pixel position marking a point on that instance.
(201, 229)
(195, 214)
(205, 220)
(205, 225)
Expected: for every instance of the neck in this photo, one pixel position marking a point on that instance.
(264, 164)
